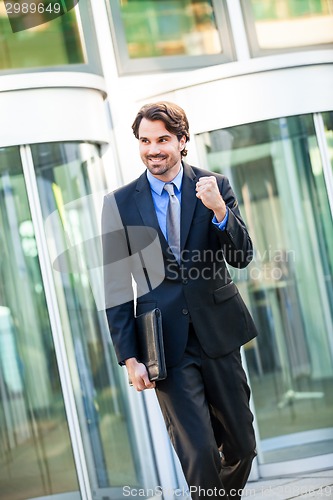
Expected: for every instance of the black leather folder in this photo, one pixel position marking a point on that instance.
(150, 339)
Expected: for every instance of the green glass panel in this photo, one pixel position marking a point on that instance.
(36, 457)
(275, 168)
(167, 28)
(282, 24)
(55, 43)
(68, 175)
(284, 9)
(328, 124)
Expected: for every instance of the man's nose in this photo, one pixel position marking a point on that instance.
(154, 149)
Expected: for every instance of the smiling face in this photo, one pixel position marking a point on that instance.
(160, 150)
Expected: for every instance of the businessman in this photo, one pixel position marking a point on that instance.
(195, 215)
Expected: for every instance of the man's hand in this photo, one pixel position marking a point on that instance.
(138, 375)
(208, 192)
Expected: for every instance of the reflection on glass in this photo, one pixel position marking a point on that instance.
(55, 43)
(172, 27)
(328, 124)
(67, 175)
(281, 24)
(276, 171)
(35, 452)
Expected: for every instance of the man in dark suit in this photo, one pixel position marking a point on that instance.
(205, 397)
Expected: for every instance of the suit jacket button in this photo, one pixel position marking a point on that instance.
(185, 281)
(184, 311)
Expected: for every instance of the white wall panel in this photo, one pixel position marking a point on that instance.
(34, 115)
(255, 97)
(217, 97)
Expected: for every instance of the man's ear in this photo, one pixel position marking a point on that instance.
(182, 142)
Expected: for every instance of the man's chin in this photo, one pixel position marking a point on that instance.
(157, 169)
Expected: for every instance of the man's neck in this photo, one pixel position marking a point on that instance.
(170, 175)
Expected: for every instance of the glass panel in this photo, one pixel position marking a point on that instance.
(36, 457)
(171, 27)
(328, 124)
(55, 43)
(276, 171)
(67, 175)
(281, 24)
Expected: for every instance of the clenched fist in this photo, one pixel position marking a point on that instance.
(208, 192)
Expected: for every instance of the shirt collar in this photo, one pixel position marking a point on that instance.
(157, 185)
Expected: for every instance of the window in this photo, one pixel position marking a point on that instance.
(170, 34)
(328, 124)
(36, 458)
(276, 171)
(71, 183)
(57, 43)
(284, 25)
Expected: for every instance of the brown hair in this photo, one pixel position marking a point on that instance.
(172, 115)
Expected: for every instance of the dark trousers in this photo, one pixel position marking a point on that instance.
(205, 404)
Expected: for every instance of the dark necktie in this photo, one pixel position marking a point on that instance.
(173, 221)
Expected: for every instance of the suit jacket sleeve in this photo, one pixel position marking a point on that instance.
(235, 239)
(118, 289)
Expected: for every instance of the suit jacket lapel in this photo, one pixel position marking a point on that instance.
(189, 201)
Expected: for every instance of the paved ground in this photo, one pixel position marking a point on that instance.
(317, 485)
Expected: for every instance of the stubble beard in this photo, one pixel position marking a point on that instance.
(160, 169)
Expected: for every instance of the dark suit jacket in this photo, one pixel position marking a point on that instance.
(199, 290)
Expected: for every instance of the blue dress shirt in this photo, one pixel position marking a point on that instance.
(161, 199)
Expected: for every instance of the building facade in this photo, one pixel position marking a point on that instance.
(255, 78)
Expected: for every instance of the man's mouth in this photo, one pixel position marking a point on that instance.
(156, 159)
